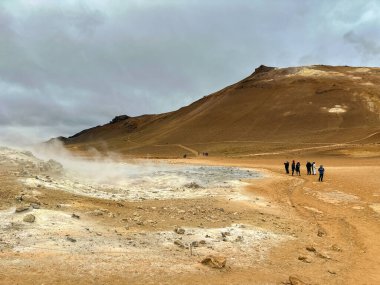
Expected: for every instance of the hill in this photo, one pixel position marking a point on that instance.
(272, 110)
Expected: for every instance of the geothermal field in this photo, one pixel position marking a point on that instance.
(100, 220)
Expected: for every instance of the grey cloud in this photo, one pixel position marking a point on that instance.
(68, 65)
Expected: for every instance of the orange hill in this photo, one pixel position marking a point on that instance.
(268, 111)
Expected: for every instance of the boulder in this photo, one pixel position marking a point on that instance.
(29, 218)
(179, 243)
(22, 208)
(179, 230)
(214, 261)
(30, 199)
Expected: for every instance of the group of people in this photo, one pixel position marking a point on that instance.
(310, 167)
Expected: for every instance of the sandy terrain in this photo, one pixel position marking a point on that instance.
(270, 227)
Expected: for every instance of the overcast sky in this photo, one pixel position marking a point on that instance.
(68, 65)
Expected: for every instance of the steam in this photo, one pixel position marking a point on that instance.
(109, 168)
(364, 45)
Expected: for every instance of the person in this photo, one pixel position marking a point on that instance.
(314, 168)
(293, 167)
(321, 171)
(286, 167)
(308, 168)
(298, 168)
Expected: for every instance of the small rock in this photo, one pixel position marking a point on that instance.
(35, 206)
(320, 255)
(195, 244)
(71, 239)
(179, 230)
(75, 216)
(22, 208)
(331, 272)
(304, 259)
(225, 234)
(310, 248)
(29, 218)
(202, 241)
(214, 261)
(239, 239)
(179, 243)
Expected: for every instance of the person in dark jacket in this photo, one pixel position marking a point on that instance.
(286, 163)
(308, 168)
(321, 171)
(293, 167)
(298, 168)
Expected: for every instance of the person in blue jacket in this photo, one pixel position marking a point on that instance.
(321, 171)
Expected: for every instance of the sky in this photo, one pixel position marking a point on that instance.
(67, 65)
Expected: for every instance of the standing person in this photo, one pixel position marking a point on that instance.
(298, 168)
(314, 168)
(321, 171)
(286, 163)
(293, 167)
(308, 167)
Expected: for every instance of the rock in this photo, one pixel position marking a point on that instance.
(30, 199)
(262, 69)
(75, 216)
(320, 255)
(179, 230)
(195, 244)
(202, 241)
(22, 208)
(35, 206)
(214, 261)
(239, 239)
(304, 259)
(225, 234)
(179, 243)
(295, 281)
(119, 119)
(71, 239)
(18, 198)
(310, 248)
(29, 218)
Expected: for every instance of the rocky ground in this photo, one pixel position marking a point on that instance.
(58, 227)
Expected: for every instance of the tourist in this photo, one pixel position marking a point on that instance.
(298, 168)
(293, 167)
(314, 168)
(321, 171)
(308, 168)
(286, 163)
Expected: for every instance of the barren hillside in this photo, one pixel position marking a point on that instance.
(272, 109)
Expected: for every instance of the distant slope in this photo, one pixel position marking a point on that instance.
(313, 104)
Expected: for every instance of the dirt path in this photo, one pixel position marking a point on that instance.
(193, 151)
